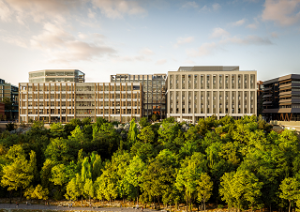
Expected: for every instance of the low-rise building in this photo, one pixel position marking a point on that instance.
(64, 101)
(202, 91)
(281, 98)
(9, 95)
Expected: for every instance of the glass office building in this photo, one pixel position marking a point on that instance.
(153, 89)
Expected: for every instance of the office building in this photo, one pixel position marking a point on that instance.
(9, 95)
(202, 91)
(64, 101)
(154, 92)
(70, 75)
(281, 98)
(2, 111)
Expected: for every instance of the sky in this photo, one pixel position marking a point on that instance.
(106, 37)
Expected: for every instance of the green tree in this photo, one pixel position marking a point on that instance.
(242, 186)
(19, 173)
(204, 188)
(289, 188)
(188, 174)
(144, 122)
(147, 135)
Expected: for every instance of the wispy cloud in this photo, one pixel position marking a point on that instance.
(252, 26)
(117, 9)
(161, 62)
(283, 12)
(224, 40)
(143, 55)
(181, 41)
(239, 22)
(190, 4)
(219, 32)
(62, 46)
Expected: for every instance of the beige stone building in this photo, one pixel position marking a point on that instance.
(64, 101)
(202, 91)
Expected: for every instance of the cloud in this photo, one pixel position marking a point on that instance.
(5, 13)
(252, 26)
(282, 12)
(91, 14)
(239, 22)
(216, 6)
(181, 41)
(203, 50)
(161, 62)
(249, 40)
(117, 9)
(219, 32)
(62, 46)
(146, 52)
(190, 4)
(39, 11)
(225, 39)
(274, 35)
(143, 55)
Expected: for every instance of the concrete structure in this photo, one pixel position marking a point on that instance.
(63, 101)
(68, 75)
(154, 92)
(9, 92)
(281, 98)
(202, 91)
(260, 88)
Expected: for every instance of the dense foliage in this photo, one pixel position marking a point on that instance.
(240, 163)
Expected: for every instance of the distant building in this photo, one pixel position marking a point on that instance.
(154, 92)
(202, 91)
(9, 95)
(52, 75)
(64, 101)
(2, 110)
(281, 98)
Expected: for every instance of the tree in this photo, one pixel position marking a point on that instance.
(134, 174)
(147, 135)
(133, 132)
(239, 187)
(188, 175)
(144, 122)
(289, 190)
(204, 188)
(18, 173)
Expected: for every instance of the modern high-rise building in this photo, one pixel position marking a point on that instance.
(154, 92)
(202, 91)
(68, 75)
(9, 94)
(281, 98)
(64, 101)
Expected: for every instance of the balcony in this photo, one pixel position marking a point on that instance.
(267, 103)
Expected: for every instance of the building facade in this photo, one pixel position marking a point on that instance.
(154, 92)
(68, 75)
(202, 91)
(2, 111)
(9, 95)
(281, 98)
(64, 101)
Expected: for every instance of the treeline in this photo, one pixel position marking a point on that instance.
(240, 163)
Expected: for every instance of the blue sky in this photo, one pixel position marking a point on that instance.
(104, 37)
